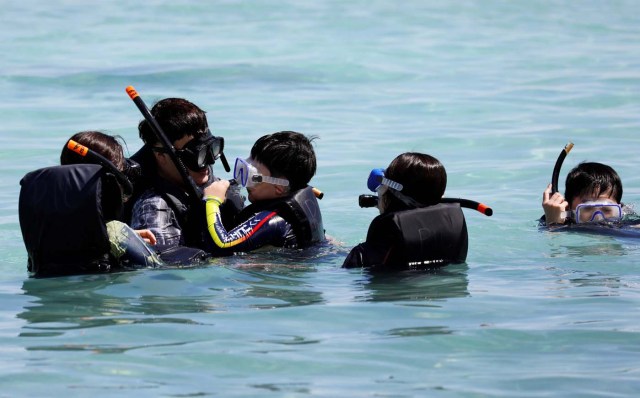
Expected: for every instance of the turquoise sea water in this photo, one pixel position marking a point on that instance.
(494, 89)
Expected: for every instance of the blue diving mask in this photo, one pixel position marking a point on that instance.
(377, 180)
(246, 174)
(596, 211)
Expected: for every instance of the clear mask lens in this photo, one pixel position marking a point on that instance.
(595, 212)
(246, 174)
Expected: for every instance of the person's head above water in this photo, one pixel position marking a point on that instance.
(591, 181)
(593, 192)
(104, 144)
(288, 155)
(185, 125)
(423, 179)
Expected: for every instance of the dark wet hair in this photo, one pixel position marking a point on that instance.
(177, 117)
(422, 176)
(104, 144)
(590, 178)
(287, 154)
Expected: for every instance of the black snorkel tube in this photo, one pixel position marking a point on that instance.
(556, 169)
(372, 201)
(162, 137)
(95, 157)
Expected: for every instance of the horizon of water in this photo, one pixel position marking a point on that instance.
(494, 89)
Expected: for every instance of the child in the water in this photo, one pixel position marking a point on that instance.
(593, 192)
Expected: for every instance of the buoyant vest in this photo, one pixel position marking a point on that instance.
(63, 211)
(301, 210)
(190, 213)
(427, 237)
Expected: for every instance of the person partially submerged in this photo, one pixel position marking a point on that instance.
(593, 193)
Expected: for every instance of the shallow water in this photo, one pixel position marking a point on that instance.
(494, 89)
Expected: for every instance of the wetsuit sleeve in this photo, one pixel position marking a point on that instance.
(154, 213)
(261, 229)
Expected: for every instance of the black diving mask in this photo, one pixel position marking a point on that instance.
(200, 152)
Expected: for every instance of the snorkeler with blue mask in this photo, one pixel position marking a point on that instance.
(378, 183)
(417, 227)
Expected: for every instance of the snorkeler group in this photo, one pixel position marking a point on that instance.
(101, 212)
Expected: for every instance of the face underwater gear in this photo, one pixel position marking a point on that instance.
(200, 152)
(595, 211)
(377, 179)
(247, 175)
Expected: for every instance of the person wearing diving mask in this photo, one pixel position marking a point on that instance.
(414, 229)
(284, 210)
(593, 194)
(166, 205)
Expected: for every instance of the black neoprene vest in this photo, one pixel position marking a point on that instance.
(427, 237)
(62, 212)
(301, 210)
(191, 214)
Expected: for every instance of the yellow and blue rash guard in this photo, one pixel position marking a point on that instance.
(261, 229)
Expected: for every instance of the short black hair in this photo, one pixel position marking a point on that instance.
(177, 117)
(591, 178)
(287, 154)
(422, 176)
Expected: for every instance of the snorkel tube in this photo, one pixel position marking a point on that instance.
(372, 201)
(162, 137)
(556, 169)
(95, 157)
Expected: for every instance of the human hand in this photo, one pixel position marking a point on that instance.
(147, 236)
(554, 206)
(218, 189)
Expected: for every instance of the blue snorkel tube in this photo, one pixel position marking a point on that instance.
(556, 169)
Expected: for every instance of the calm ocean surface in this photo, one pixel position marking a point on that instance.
(494, 89)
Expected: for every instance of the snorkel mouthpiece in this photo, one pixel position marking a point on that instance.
(368, 201)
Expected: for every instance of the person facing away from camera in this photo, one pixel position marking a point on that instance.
(414, 230)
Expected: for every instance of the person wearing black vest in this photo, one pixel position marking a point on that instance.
(70, 215)
(414, 230)
(165, 205)
(284, 210)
